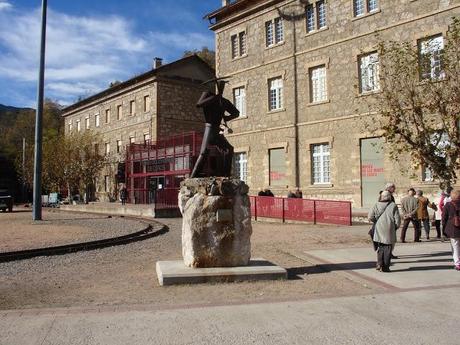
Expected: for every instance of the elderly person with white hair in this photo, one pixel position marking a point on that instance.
(385, 215)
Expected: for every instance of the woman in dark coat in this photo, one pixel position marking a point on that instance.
(449, 213)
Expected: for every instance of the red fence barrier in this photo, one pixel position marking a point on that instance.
(166, 199)
(306, 210)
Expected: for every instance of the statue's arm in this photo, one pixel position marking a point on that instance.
(206, 98)
(232, 110)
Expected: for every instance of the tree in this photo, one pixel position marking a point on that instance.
(419, 102)
(209, 56)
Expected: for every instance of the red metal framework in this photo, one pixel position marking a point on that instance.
(315, 211)
(156, 168)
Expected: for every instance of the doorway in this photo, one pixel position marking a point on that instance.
(156, 183)
(372, 170)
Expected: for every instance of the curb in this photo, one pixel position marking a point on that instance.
(85, 246)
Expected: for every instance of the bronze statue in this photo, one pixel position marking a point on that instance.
(214, 108)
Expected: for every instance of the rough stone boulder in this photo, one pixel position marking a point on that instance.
(216, 226)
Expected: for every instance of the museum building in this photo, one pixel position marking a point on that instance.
(150, 121)
(301, 73)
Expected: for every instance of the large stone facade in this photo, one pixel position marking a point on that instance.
(340, 119)
(154, 105)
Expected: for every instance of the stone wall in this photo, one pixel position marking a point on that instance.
(342, 120)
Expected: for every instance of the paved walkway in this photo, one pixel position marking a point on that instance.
(409, 318)
(418, 304)
(419, 265)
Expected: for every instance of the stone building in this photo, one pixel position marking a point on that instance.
(157, 104)
(300, 72)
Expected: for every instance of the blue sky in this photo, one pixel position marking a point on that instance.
(92, 43)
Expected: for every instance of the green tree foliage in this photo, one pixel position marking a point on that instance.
(205, 53)
(419, 103)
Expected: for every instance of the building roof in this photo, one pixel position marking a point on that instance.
(236, 10)
(163, 70)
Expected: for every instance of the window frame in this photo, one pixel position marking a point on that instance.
(376, 73)
(431, 54)
(316, 79)
(238, 45)
(314, 8)
(279, 94)
(366, 8)
(240, 99)
(275, 27)
(240, 166)
(321, 169)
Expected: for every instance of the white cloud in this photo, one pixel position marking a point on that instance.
(5, 5)
(83, 53)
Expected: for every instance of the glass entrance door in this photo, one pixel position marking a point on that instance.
(156, 183)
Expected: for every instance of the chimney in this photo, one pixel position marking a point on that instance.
(225, 2)
(157, 62)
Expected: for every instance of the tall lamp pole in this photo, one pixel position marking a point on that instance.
(37, 202)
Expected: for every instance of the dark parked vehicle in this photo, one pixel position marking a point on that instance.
(6, 200)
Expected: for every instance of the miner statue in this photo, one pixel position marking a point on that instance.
(214, 109)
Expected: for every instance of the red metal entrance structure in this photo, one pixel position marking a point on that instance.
(154, 170)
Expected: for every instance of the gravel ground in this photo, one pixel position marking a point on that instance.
(126, 274)
(19, 232)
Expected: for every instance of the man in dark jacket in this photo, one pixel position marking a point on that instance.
(451, 225)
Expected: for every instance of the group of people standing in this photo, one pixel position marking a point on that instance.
(386, 219)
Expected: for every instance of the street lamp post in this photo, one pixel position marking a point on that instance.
(37, 202)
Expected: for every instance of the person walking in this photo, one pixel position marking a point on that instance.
(409, 206)
(422, 212)
(123, 195)
(385, 216)
(451, 225)
(391, 187)
(438, 216)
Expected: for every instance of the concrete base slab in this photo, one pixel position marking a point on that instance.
(175, 272)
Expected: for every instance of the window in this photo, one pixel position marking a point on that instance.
(132, 107)
(87, 123)
(119, 112)
(238, 44)
(318, 85)
(362, 7)
(240, 166)
(369, 73)
(274, 32)
(430, 56)
(119, 146)
(70, 126)
(275, 94)
(96, 120)
(427, 174)
(107, 148)
(107, 115)
(78, 126)
(277, 167)
(321, 171)
(239, 99)
(106, 183)
(316, 16)
(96, 148)
(146, 138)
(146, 103)
(132, 140)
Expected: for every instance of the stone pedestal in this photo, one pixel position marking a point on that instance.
(216, 226)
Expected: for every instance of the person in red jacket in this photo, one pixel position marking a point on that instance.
(451, 225)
